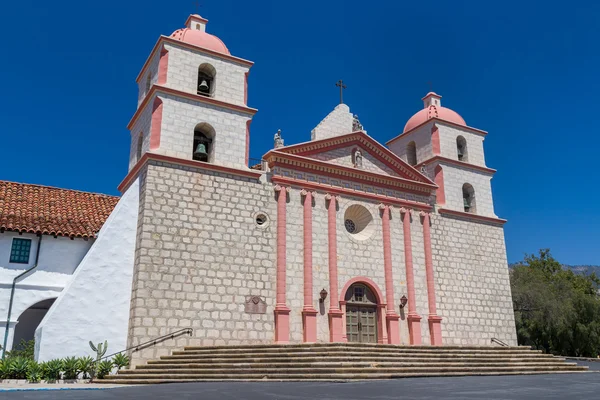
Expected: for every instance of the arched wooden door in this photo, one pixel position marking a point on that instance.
(361, 314)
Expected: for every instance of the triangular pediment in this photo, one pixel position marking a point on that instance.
(341, 151)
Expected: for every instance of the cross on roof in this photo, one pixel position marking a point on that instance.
(341, 85)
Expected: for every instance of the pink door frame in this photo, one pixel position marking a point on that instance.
(381, 306)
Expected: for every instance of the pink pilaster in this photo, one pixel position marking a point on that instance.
(413, 319)
(391, 317)
(282, 312)
(335, 314)
(309, 314)
(435, 322)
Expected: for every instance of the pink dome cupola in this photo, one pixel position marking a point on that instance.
(433, 109)
(195, 34)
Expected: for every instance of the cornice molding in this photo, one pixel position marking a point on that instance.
(147, 157)
(338, 191)
(156, 89)
(458, 163)
(469, 216)
(278, 159)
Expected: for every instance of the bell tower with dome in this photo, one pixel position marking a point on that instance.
(437, 141)
(192, 101)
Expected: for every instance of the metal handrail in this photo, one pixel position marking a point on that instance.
(500, 342)
(150, 342)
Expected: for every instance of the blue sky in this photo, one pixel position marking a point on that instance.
(524, 71)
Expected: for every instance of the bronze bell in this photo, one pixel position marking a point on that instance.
(203, 87)
(200, 153)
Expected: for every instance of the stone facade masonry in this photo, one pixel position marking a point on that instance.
(182, 74)
(472, 282)
(454, 179)
(344, 156)
(180, 117)
(142, 125)
(336, 123)
(448, 135)
(422, 139)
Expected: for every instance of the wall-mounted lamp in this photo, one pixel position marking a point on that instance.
(403, 301)
(323, 296)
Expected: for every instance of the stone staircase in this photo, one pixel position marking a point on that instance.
(339, 362)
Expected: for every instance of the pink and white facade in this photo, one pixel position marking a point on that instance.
(343, 238)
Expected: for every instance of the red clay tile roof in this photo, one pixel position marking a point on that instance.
(52, 211)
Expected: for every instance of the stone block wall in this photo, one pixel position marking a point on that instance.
(142, 125)
(343, 156)
(199, 254)
(336, 123)
(422, 139)
(454, 179)
(182, 74)
(448, 149)
(151, 71)
(472, 282)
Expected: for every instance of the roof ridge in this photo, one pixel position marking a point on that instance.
(58, 188)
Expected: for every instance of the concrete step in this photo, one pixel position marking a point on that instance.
(349, 345)
(161, 367)
(344, 368)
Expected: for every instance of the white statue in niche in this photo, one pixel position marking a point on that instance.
(278, 140)
(358, 159)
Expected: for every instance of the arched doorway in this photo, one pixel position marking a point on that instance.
(361, 314)
(29, 320)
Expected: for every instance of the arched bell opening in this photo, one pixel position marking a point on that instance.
(203, 146)
(206, 80)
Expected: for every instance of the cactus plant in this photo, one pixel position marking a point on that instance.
(100, 349)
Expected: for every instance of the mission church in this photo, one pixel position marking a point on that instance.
(336, 239)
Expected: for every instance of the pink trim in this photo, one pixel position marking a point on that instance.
(190, 96)
(434, 119)
(248, 141)
(157, 111)
(434, 320)
(163, 66)
(382, 153)
(275, 157)
(335, 314)
(381, 325)
(282, 326)
(349, 192)
(440, 194)
(180, 161)
(309, 314)
(497, 221)
(392, 324)
(165, 39)
(414, 324)
(246, 88)
(458, 163)
(435, 139)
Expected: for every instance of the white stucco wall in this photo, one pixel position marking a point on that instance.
(95, 303)
(58, 259)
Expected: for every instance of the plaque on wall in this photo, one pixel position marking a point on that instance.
(255, 305)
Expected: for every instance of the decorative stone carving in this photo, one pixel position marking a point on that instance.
(358, 159)
(278, 140)
(255, 305)
(356, 125)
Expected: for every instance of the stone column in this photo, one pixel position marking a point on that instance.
(391, 317)
(282, 312)
(435, 322)
(335, 314)
(413, 319)
(309, 314)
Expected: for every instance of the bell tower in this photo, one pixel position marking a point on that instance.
(192, 100)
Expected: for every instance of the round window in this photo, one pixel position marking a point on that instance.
(358, 222)
(350, 225)
(261, 219)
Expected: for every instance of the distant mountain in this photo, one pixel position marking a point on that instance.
(578, 269)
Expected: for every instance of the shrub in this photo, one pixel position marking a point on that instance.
(5, 368)
(34, 373)
(52, 369)
(104, 368)
(120, 361)
(86, 366)
(25, 349)
(70, 367)
(18, 368)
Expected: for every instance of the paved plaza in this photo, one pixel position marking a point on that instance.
(571, 386)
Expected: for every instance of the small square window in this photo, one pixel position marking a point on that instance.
(19, 252)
